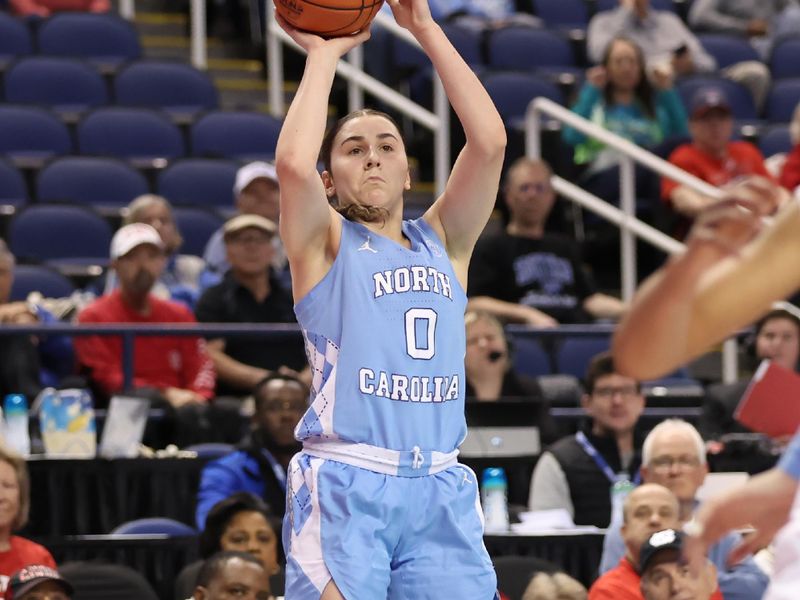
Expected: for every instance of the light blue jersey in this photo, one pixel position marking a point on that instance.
(385, 339)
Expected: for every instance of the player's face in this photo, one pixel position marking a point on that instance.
(675, 464)
(648, 509)
(529, 195)
(779, 340)
(9, 495)
(237, 580)
(250, 532)
(369, 165)
(615, 403)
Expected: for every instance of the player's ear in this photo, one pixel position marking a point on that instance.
(407, 184)
(327, 181)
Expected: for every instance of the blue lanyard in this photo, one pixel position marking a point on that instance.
(599, 460)
(280, 474)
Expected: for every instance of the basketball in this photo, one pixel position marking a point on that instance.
(329, 18)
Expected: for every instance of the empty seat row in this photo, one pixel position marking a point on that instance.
(73, 85)
(136, 134)
(105, 182)
(63, 235)
(105, 39)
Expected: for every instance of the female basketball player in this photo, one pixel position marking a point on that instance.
(377, 505)
(734, 267)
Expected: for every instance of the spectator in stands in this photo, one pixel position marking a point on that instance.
(44, 8)
(647, 509)
(490, 374)
(249, 293)
(482, 14)
(577, 472)
(257, 193)
(711, 156)
(259, 465)
(177, 368)
(790, 172)
(180, 279)
(665, 574)
(39, 582)
(620, 96)
(668, 44)
(527, 275)
(28, 363)
(16, 552)
(674, 456)
(232, 575)
(554, 586)
(763, 21)
(777, 338)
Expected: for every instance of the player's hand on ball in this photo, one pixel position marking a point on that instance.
(411, 14)
(309, 41)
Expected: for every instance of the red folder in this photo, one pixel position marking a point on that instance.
(771, 403)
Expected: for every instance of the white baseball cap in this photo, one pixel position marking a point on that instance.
(252, 171)
(129, 237)
(244, 221)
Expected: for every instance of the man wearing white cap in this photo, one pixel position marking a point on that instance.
(257, 193)
(178, 367)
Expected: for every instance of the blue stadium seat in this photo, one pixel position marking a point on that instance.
(466, 40)
(528, 356)
(178, 88)
(155, 525)
(38, 278)
(529, 49)
(104, 39)
(512, 92)
(129, 133)
(63, 84)
(15, 38)
(562, 13)
(669, 5)
(237, 135)
(100, 182)
(775, 140)
(727, 49)
(782, 100)
(196, 226)
(199, 182)
(574, 353)
(32, 133)
(12, 185)
(783, 58)
(211, 449)
(740, 99)
(59, 234)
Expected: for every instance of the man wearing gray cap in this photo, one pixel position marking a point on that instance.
(257, 193)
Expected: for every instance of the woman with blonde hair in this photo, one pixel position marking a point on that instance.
(554, 586)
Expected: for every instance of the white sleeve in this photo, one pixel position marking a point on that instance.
(549, 487)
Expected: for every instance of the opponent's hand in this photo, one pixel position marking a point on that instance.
(311, 41)
(411, 14)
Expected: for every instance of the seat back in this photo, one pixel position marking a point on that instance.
(575, 353)
(782, 100)
(155, 525)
(783, 61)
(130, 133)
(562, 13)
(775, 139)
(101, 38)
(199, 182)
(15, 38)
(93, 581)
(196, 226)
(513, 92)
(100, 182)
(515, 572)
(32, 132)
(528, 48)
(175, 87)
(237, 135)
(38, 278)
(63, 84)
(727, 49)
(13, 190)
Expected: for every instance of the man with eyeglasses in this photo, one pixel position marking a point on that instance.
(577, 473)
(249, 293)
(674, 456)
(259, 464)
(527, 275)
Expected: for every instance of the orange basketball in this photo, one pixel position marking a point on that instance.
(329, 18)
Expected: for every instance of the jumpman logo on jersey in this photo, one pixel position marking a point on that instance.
(466, 478)
(366, 246)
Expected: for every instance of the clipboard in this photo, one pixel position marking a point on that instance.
(771, 403)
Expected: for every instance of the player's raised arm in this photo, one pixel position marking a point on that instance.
(307, 228)
(735, 266)
(469, 197)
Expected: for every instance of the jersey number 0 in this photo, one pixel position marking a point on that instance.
(420, 321)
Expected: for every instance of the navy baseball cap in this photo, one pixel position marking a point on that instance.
(27, 578)
(707, 99)
(660, 541)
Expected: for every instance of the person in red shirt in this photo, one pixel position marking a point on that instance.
(179, 368)
(16, 552)
(44, 8)
(710, 156)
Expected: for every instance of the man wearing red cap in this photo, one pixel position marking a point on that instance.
(38, 582)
